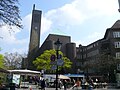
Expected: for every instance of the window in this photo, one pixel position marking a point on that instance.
(117, 44)
(117, 55)
(116, 34)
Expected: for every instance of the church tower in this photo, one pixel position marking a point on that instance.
(34, 36)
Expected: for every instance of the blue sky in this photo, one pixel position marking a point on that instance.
(84, 20)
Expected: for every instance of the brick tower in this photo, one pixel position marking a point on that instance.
(34, 36)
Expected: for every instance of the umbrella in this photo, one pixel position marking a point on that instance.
(24, 72)
(63, 77)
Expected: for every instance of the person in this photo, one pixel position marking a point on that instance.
(65, 84)
(1, 86)
(60, 84)
(43, 84)
(91, 84)
(77, 85)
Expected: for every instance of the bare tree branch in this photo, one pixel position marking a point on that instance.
(9, 13)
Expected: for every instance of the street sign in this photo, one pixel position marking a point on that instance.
(59, 56)
(53, 57)
(60, 62)
(53, 62)
(54, 67)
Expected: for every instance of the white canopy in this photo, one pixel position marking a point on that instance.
(59, 76)
(24, 72)
(63, 77)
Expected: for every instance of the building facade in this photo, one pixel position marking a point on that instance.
(68, 48)
(108, 46)
(34, 39)
(81, 56)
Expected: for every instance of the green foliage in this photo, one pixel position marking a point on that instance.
(43, 61)
(105, 63)
(1, 61)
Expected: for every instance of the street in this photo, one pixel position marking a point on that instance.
(36, 88)
(67, 89)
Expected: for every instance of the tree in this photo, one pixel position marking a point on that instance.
(13, 60)
(2, 61)
(43, 61)
(106, 63)
(9, 13)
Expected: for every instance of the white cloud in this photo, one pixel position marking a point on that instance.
(45, 24)
(67, 16)
(20, 50)
(74, 13)
(90, 38)
(9, 36)
(95, 35)
(102, 7)
(27, 22)
(78, 11)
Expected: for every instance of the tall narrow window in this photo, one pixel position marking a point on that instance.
(117, 55)
(117, 44)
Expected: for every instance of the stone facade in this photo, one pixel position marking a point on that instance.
(109, 45)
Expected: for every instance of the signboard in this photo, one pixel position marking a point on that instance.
(54, 67)
(53, 58)
(53, 63)
(16, 79)
(59, 56)
(60, 62)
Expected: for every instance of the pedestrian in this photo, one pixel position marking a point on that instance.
(91, 84)
(65, 84)
(43, 84)
(77, 85)
(60, 84)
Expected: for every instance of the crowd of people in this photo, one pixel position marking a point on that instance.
(73, 83)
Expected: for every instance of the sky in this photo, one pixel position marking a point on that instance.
(85, 21)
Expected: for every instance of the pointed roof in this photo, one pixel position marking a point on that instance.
(116, 24)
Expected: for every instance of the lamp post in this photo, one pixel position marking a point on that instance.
(58, 46)
(119, 5)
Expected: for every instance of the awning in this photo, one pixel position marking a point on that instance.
(63, 77)
(74, 75)
(24, 72)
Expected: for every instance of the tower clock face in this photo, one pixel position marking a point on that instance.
(35, 27)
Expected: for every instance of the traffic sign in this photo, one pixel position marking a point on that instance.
(60, 62)
(54, 67)
(53, 62)
(53, 57)
(59, 56)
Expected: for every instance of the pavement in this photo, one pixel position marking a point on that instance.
(36, 87)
